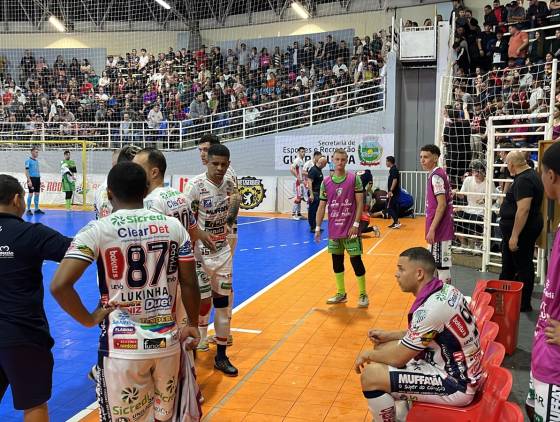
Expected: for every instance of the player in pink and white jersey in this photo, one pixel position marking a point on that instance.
(141, 257)
(296, 168)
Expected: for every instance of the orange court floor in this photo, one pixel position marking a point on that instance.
(296, 361)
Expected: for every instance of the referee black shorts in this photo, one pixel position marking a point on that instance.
(35, 185)
(28, 370)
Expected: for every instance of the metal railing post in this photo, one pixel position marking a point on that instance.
(244, 124)
(181, 135)
(277, 115)
(347, 102)
(108, 134)
(311, 108)
(552, 98)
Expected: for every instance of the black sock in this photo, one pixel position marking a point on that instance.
(221, 351)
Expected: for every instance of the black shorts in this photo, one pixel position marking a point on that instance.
(35, 185)
(28, 370)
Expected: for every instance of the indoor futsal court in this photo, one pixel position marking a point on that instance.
(294, 352)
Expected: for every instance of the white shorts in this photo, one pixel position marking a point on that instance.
(544, 398)
(423, 382)
(215, 275)
(137, 390)
(441, 251)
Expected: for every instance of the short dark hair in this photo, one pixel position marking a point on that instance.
(301, 148)
(391, 159)
(432, 149)
(34, 148)
(421, 255)
(128, 182)
(317, 153)
(551, 158)
(9, 187)
(218, 150)
(127, 153)
(155, 159)
(210, 138)
(66, 152)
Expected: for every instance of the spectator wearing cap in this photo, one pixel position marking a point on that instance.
(518, 44)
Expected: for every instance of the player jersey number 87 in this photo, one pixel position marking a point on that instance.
(137, 253)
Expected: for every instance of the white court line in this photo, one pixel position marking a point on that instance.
(245, 330)
(255, 222)
(378, 242)
(94, 406)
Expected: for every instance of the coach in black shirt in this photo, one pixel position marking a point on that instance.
(314, 180)
(521, 222)
(26, 360)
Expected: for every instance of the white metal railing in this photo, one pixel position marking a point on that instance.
(414, 182)
(286, 114)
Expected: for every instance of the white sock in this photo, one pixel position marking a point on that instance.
(381, 405)
(221, 324)
(203, 325)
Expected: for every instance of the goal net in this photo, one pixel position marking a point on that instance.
(54, 166)
(485, 117)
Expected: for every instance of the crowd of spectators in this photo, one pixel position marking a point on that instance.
(202, 87)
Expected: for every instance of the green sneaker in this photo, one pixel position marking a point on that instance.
(363, 301)
(338, 298)
(203, 346)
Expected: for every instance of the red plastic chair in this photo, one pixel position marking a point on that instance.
(479, 288)
(486, 406)
(481, 300)
(483, 314)
(511, 413)
(488, 334)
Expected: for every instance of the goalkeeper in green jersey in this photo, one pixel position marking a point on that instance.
(68, 172)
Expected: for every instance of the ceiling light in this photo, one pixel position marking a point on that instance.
(53, 20)
(163, 4)
(300, 10)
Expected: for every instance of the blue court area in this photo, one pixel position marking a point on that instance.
(267, 249)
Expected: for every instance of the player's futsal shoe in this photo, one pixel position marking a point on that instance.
(203, 346)
(395, 226)
(212, 340)
(29, 212)
(225, 366)
(363, 301)
(338, 298)
(38, 211)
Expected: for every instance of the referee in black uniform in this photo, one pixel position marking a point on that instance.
(26, 361)
(314, 180)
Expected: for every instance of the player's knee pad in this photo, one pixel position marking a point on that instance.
(338, 263)
(358, 265)
(220, 302)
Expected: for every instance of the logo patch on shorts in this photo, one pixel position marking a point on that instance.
(129, 394)
(154, 343)
(130, 344)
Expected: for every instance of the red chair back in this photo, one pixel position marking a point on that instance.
(511, 413)
(495, 392)
(479, 288)
(482, 300)
(488, 334)
(483, 314)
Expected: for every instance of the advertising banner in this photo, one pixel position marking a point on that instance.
(364, 151)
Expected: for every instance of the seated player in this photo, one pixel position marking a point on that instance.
(367, 182)
(142, 257)
(437, 360)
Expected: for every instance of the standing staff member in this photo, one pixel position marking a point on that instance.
(26, 361)
(521, 223)
(68, 172)
(393, 190)
(314, 181)
(439, 211)
(33, 181)
(343, 192)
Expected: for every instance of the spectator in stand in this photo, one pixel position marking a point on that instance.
(516, 14)
(126, 129)
(554, 46)
(554, 7)
(518, 44)
(537, 49)
(490, 17)
(344, 52)
(155, 117)
(339, 67)
(199, 108)
(501, 14)
(330, 51)
(537, 14)
(486, 38)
